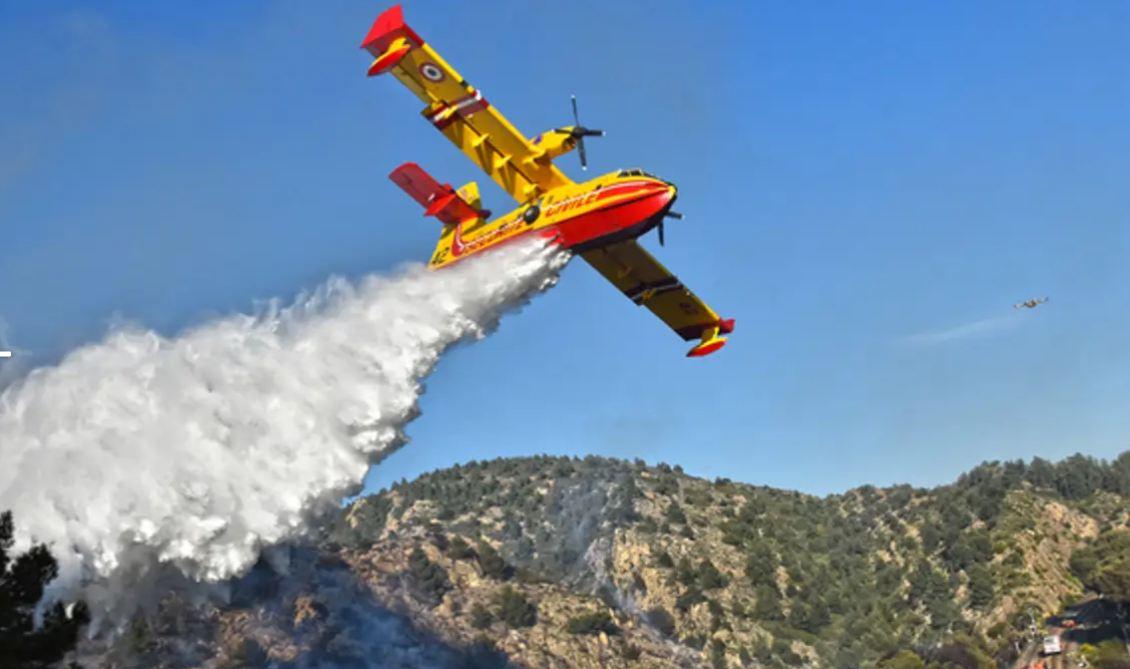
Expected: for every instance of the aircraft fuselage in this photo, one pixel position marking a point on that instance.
(610, 208)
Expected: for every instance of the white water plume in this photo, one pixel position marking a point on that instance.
(144, 455)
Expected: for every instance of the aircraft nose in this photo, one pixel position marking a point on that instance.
(659, 198)
(666, 193)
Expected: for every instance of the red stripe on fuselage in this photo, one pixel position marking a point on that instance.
(550, 234)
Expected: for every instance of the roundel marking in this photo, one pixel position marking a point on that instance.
(431, 72)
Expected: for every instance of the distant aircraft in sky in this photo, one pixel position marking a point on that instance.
(1030, 304)
(600, 219)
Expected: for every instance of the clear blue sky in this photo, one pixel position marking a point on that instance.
(868, 189)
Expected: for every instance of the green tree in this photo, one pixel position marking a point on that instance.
(459, 549)
(1078, 476)
(1109, 654)
(481, 618)
(689, 598)
(675, 514)
(593, 622)
(1105, 564)
(980, 585)
(1041, 473)
(905, 659)
(492, 564)
(515, 609)
(783, 650)
(768, 604)
(429, 579)
(709, 578)
(961, 652)
(1119, 478)
(22, 579)
(761, 565)
(718, 654)
(810, 616)
(685, 572)
(1113, 579)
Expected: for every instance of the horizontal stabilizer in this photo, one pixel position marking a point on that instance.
(439, 200)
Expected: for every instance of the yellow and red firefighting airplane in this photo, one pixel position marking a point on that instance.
(1030, 304)
(600, 219)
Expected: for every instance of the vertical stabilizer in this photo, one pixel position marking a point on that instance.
(470, 194)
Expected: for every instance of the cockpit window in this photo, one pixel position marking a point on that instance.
(636, 172)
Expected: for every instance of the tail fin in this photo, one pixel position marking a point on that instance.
(453, 208)
(439, 200)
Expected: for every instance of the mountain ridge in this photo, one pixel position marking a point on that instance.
(595, 562)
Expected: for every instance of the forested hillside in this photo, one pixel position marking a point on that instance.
(749, 575)
(559, 562)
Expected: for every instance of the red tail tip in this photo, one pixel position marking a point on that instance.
(388, 26)
(389, 20)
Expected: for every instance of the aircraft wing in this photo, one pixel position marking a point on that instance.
(460, 111)
(647, 282)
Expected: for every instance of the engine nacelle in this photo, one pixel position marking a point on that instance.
(556, 142)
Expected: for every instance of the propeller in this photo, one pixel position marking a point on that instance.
(579, 132)
(669, 214)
